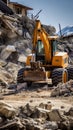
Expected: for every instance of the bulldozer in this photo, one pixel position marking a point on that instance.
(45, 64)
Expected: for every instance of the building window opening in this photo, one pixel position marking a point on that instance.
(18, 11)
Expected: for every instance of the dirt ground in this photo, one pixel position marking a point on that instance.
(35, 97)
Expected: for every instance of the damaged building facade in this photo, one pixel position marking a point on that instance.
(18, 8)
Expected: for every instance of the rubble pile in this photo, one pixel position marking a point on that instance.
(11, 40)
(8, 73)
(14, 48)
(63, 89)
(67, 46)
(34, 118)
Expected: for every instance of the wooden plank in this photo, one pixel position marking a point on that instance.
(10, 26)
(3, 16)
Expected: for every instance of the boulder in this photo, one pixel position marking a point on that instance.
(65, 125)
(69, 112)
(55, 115)
(47, 106)
(5, 77)
(6, 52)
(40, 113)
(50, 125)
(7, 110)
(27, 110)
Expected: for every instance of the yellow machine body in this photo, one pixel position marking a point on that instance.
(44, 58)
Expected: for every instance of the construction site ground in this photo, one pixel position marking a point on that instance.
(35, 97)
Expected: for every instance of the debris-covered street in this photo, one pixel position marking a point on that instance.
(35, 109)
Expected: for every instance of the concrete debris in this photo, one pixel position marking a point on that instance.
(5, 77)
(13, 70)
(47, 106)
(67, 46)
(8, 74)
(7, 110)
(10, 48)
(65, 89)
(23, 119)
(6, 52)
(2, 63)
(21, 87)
(69, 112)
(22, 58)
(55, 115)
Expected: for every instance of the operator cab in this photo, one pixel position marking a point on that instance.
(40, 51)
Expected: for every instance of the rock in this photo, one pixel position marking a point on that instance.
(10, 48)
(27, 110)
(70, 118)
(22, 58)
(50, 125)
(36, 127)
(31, 124)
(62, 107)
(47, 106)
(13, 70)
(5, 76)
(31, 101)
(12, 125)
(29, 127)
(54, 93)
(55, 115)
(21, 87)
(40, 113)
(2, 63)
(33, 127)
(6, 52)
(1, 120)
(64, 89)
(69, 112)
(1, 96)
(65, 125)
(7, 110)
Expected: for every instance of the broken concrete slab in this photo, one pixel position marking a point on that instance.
(13, 70)
(50, 125)
(5, 77)
(64, 125)
(40, 113)
(6, 52)
(1, 96)
(3, 63)
(47, 106)
(55, 115)
(69, 112)
(7, 110)
(10, 48)
(22, 58)
(27, 110)
(63, 89)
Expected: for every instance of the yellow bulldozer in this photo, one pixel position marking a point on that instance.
(45, 63)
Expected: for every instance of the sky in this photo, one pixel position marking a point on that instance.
(54, 12)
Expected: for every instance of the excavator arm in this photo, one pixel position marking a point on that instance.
(40, 33)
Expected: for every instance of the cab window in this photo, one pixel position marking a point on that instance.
(40, 48)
